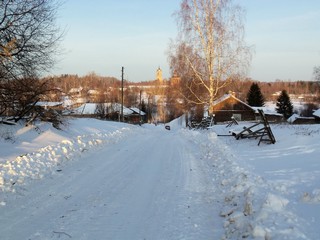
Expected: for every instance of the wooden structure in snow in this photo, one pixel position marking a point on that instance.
(232, 122)
(206, 123)
(261, 130)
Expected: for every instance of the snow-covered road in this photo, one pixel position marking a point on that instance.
(107, 180)
(148, 185)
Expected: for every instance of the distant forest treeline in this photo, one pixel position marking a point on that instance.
(307, 91)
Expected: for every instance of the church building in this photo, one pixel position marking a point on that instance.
(159, 75)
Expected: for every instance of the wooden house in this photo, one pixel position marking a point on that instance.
(229, 106)
(136, 117)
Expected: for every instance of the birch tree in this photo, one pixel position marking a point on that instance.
(210, 51)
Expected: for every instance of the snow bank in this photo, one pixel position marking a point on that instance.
(47, 160)
(250, 207)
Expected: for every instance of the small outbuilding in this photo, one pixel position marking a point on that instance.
(296, 119)
(137, 116)
(270, 114)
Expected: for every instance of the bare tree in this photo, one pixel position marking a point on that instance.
(29, 40)
(210, 51)
(20, 97)
(28, 37)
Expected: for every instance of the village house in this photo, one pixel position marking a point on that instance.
(93, 95)
(229, 106)
(76, 92)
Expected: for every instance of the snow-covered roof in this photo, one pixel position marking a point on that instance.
(90, 108)
(137, 110)
(80, 100)
(293, 118)
(49, 104)
(227, 96)
(317, 113)
(93, 92)
(87, 108)
(267, 110)
(75, 90)
(116, 107)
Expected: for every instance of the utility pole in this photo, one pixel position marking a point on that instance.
(140, 120)
(122, 72)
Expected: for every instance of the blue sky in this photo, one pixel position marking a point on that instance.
(104, 35)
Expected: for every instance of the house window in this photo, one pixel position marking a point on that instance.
(237, 116)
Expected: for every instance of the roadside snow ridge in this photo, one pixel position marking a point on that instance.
(47, 159)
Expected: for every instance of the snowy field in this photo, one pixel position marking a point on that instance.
(106, 180)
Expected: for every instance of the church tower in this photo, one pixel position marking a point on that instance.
(159, 75)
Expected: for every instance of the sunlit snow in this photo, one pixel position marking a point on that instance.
(106, 180)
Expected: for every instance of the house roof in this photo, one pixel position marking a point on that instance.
(87, 108)
(293, 118)
(317, 113)
(267, 110)
(227, 96)
(75, 90)
(90, 108)
(296, 117)
(137, 110)
(49, 104)
(93, 92)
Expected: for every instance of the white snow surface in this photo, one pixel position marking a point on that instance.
(106, 180)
